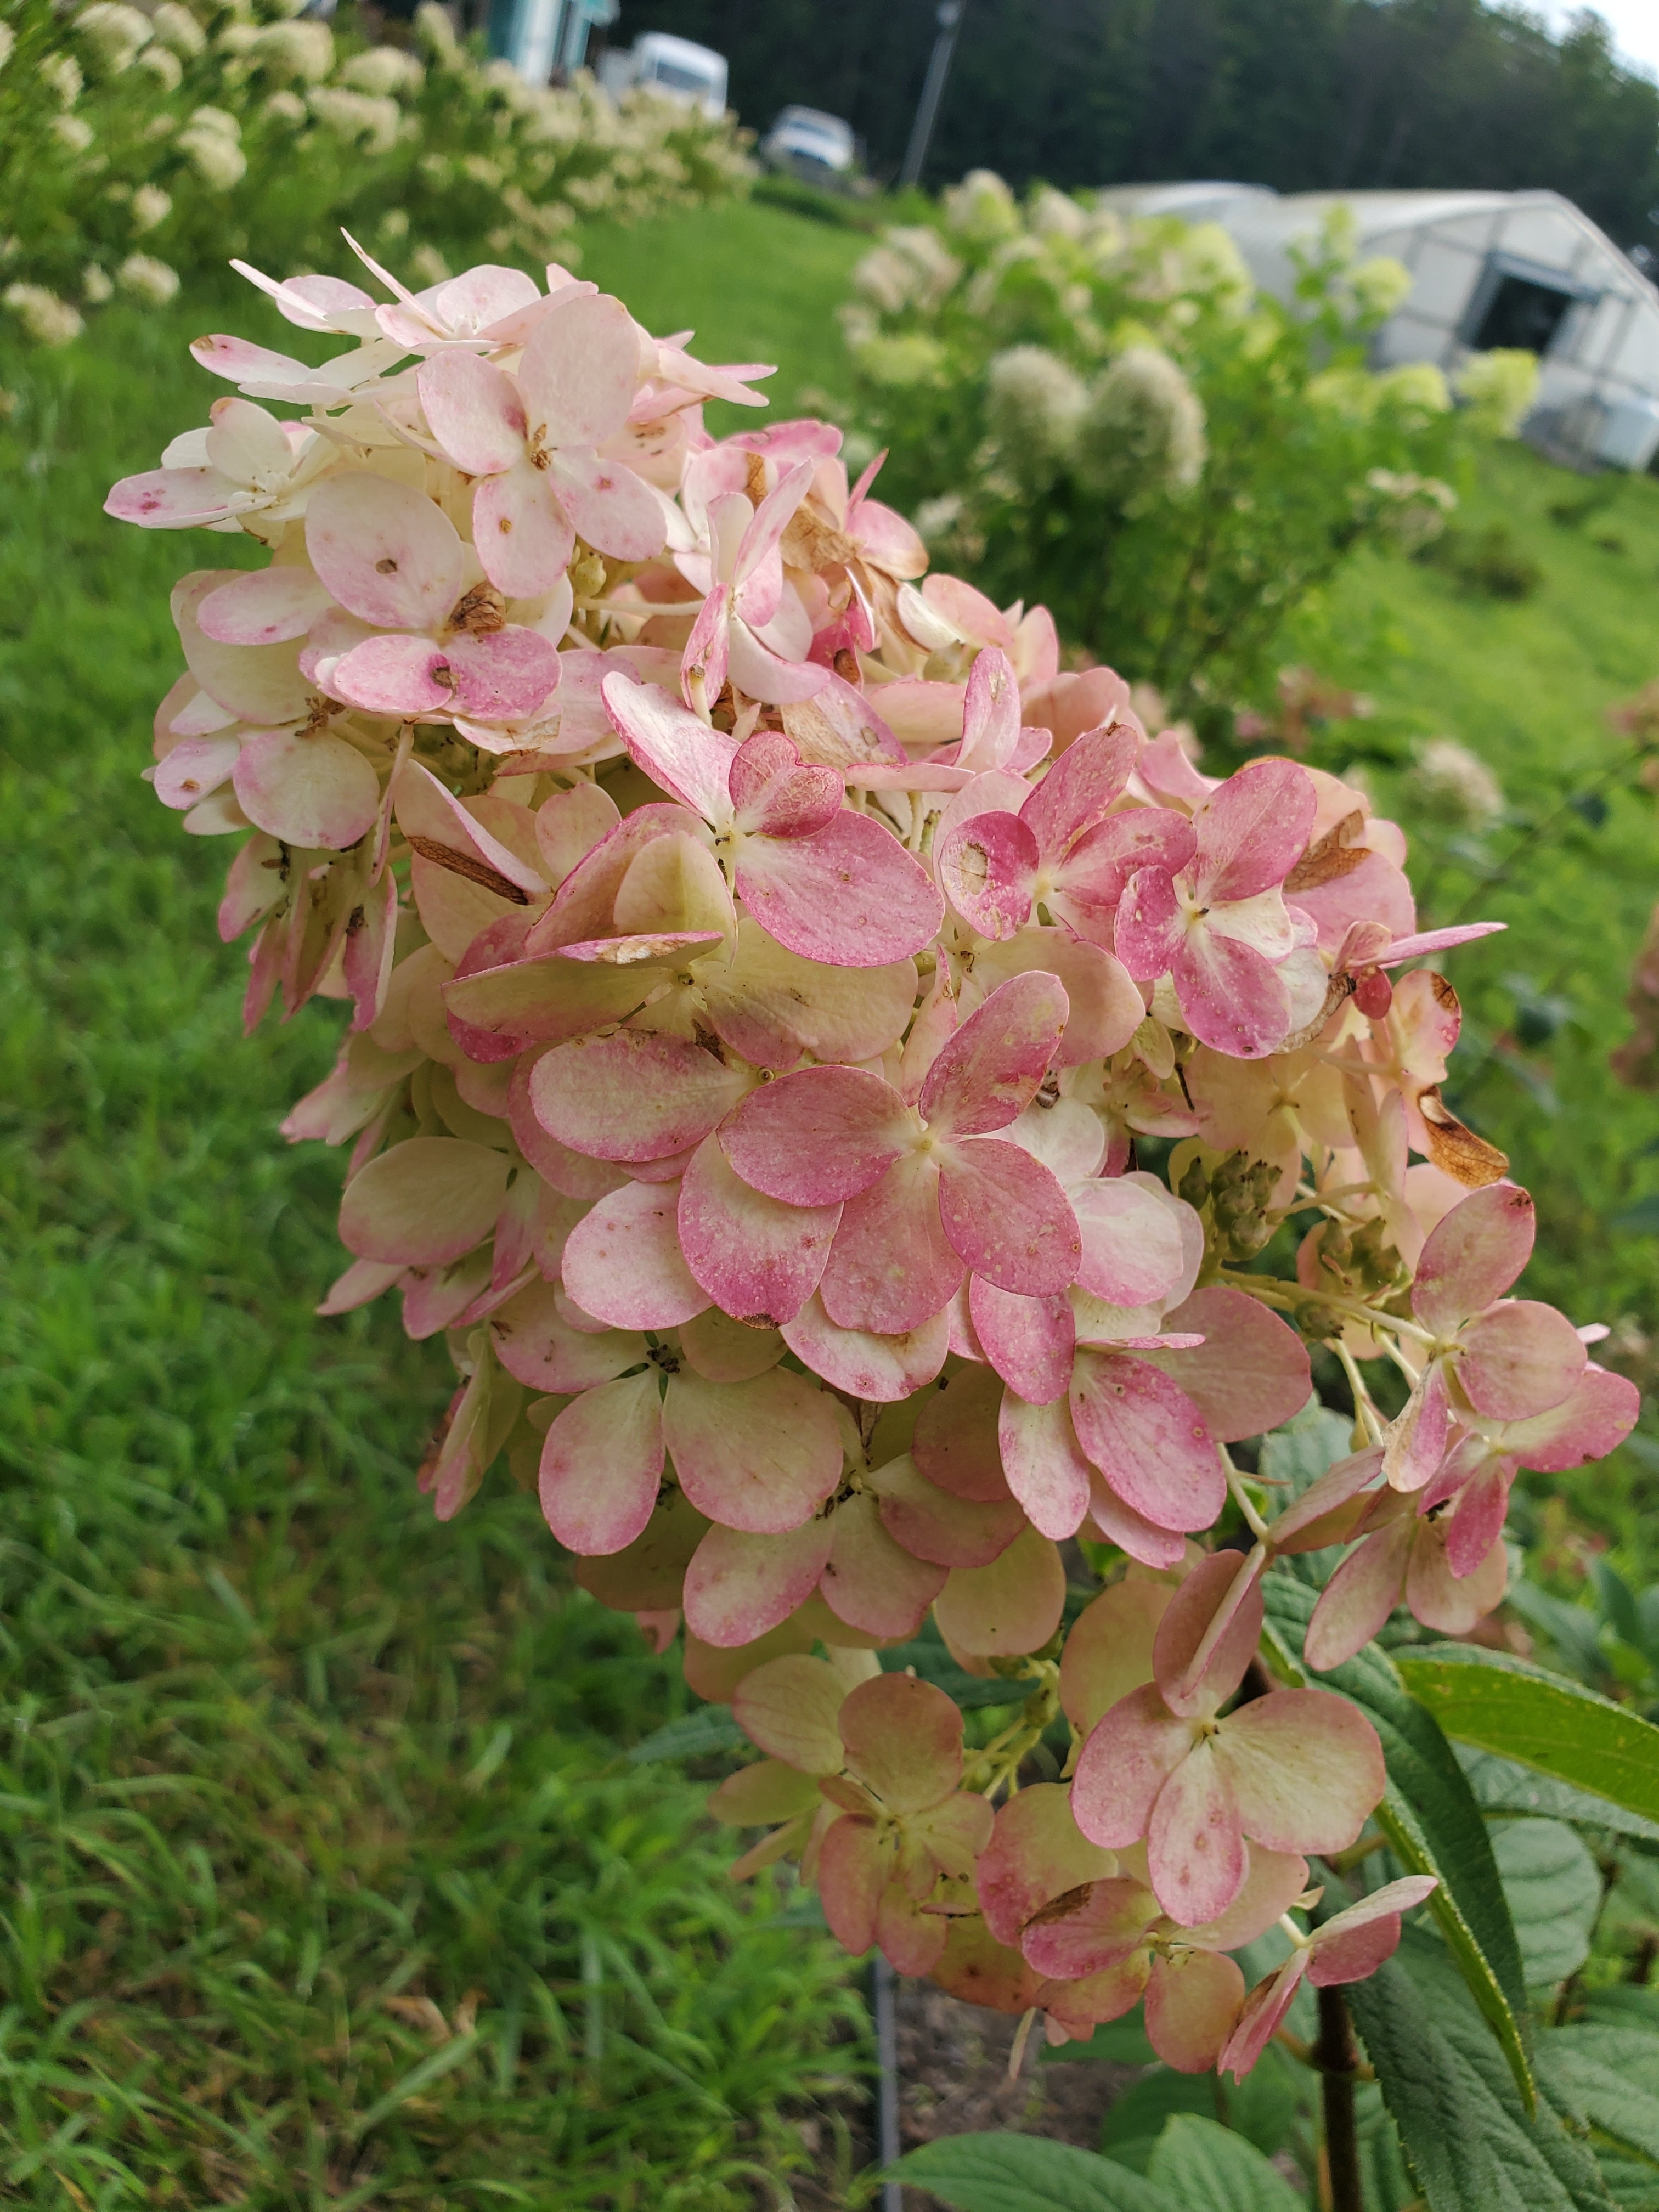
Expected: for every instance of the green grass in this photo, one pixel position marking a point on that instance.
(1526, 685)
(323, 1881)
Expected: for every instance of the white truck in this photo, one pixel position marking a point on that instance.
(675, 68)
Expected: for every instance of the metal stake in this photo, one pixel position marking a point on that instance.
(932, 91)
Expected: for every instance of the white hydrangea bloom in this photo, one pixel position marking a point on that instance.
(385, 71)
(299, 53)
(1055, 215)
(1453, 783)
(48, 320)
(981, 207)
(95, 286)
(1142, 434)
(116, 34)
(150, 205)
(1033, 403)
(285, 107)
(436, 33)
(164, 64)
(214, 153)
(61, 74)
(73, 131)
(146, 278)
(1418, 389)
(1500, 389)
(175, 27)
(374, 124)
(1380, 285)
(7, 43)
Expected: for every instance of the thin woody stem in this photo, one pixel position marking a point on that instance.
(1363, 1407)
(1337, 2059)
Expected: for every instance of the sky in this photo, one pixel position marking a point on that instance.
(1634, 25)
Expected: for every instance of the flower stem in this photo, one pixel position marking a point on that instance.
(1337, 2060)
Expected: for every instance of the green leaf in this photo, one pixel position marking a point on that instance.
(1431, 1821)
(1608, 2077)
(441, 2062)
(1554, 1893)
(693, 1735)
(1502, 1785)
(1135, 2120)
(1641, 1220)
(1028, 2173)
(1472, 2144)
(1306, 1447)
(1502, 1704)
(1122, 2041)
(1203, 2164)
(1573, 1629)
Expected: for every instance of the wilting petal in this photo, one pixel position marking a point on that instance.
(903, 1740)
(817, 1137)
(1008, 1608)
(1133, 1534)
(990, 1069)
(1476, 1520)
(634, 1096)
(987, 867)
(425, 1202)
(1028, 1341)
(1094, 1926)
(541, 1351)
(933, 1525)
(602, 1465)
(1352, 1944)
(1595, 1420)
(1046, 1470)
(1148, 1439)
(955, 1444)
(1108, 1652)
(891, 1267)
(911, 1941)
(1473, 1255)
(871, 1582)
(1130, 1756)
(1035, 1854)
(756, 1796)
(1264, 2009)
(737, 1586)
(1195, 1848)
(677, 751)
(624, 1265)
(853, 1873)
(522, 536)
(1208, 1637)
(788, 1706)
(760, 1456)
(1520, 1359)
(1451, 1603)
(884, 1370)
(1193, 2002)
(727, 1350)
(758, 1259)
(1306, 1769)
(310, 792)
(849, 896)
(1251, 830)
(384, 550)
(1360, 1595)
(779, 794)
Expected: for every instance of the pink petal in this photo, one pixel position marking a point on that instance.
(1148, 1439)
(891, 1267)
(1098, 869)
(315, 792)
(789, 1707)
(853, 1873)
(426, 810)
(955, 1442)
(770, 1006)
(758, 1259)
(1209, 1635)
(522, 536)
(1046, 1471)
(1250, 1373)
(1077, 791)
(1008, 1608)
(872, 1583)
(931, 1525)
(1520, 1359)
(1232, 997)
(911, 1941)
(622, 1264)
(1097, 1926)
(987, 867)
(1264, 2010)
(676, 751)
(1476, 1520)
(612, 507)
(266, 606)
(580, 371)
(990, 713)
(1028, 1341)
(545, 1354)
(818, 1137)
(1449, 1603)
(1151, 928)
(193, 768)
(173, 499)
(849, 896)
(1416, 1442)
(1108, 1652)
(1359, 1596)
(425, 1202)
(760, 1456)
(737, 1586)
(1195, 1852)
(1352, 1944)
(1595, 1420)
(1132, 1252)
(385, 551)
(1130, 1756)
(634, 1096)
(882, 1368)
(776, 791)
(708, 648)
(1193, 2002)
(725, 1351)
(474, 412)
(1473, 1255)
(1306, 1769)
(1105, 1007)
(601, 1465)
(1130, 1531)
(1036, 1853)
(1273, 1882)
(1252, 830)
(505, 676)
(768, 676)
(1007, 1217)
(990, 1070)
(903, 1742)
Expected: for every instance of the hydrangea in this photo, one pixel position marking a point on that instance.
(61, 74)
(150, 206)
(115, 33)
(383, 71)
(1449, 783)
(48, 320)
(981, 207)
(1034, 403)
(1500, 387)
(761, 963)
(374, 123)
(147, 278)
(173, 27)
(1142, 432)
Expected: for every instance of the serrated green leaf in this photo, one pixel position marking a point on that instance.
(1028, 2173)
(1609, 2078)
(1504, 1785)
(693, 1735)
(1472, 2144)
(1136, 2119)
(1306, 1447)
(1431, 1821)
(1554, 1893)
(1201, 2163)
(1502, 1704)
(1573, 1629)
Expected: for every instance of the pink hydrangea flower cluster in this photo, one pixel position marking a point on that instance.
(763, 962)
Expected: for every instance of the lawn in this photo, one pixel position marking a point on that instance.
(330, 1887)
(326, 1882)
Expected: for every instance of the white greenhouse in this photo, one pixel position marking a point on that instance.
(1488, 268)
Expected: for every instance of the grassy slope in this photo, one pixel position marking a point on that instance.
(1526, 685)
(323, 1885)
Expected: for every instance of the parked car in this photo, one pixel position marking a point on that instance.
(673, 67)
(817, 147)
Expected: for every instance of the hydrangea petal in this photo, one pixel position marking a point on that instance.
(1036, 1853)
(1306, 1769)
(1130, 1754)
(384, 550)
(988, 1071)
(758, 1259)
(849, 896)
(892, 1267)
(1028, 1341)
(622, 1263)
(634, 1096)
(760, 1456)
(818, 1137)
(871, 1582)
(1046, 1470)
(1148, 1439)
(1008, 1608)
(1007, 1217)
(738, 1585)
(601, 1466)
(882, 1370)
(1472, 1257)
(1520, 1359)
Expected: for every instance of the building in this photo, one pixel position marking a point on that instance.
(1488, 268)
(540, 36)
